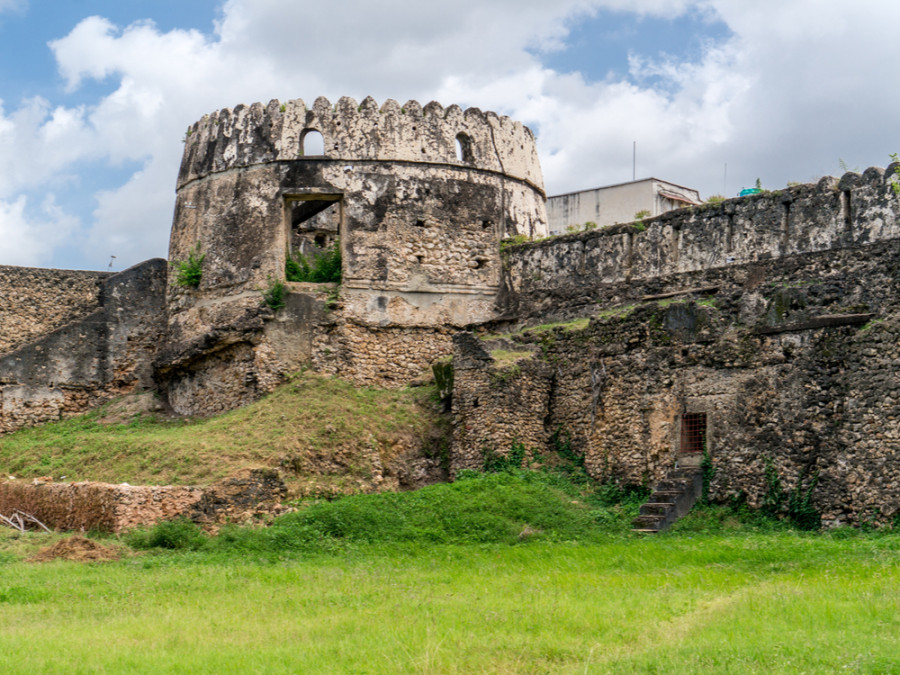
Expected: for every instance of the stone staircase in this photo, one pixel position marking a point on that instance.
(673, 497)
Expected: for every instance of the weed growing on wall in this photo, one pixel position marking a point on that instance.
(273, 296)
(796, 507)
(323, 267)
(494, 462)
(514, 240)
(895, 183)
(190, 271)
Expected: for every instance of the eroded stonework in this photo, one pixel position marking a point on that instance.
(418, 198)
(771, 318)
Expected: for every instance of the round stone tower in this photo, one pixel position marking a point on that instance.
(418, 199)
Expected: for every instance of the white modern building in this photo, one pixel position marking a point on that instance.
(616, 204)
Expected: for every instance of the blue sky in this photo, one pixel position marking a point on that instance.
(96, 94)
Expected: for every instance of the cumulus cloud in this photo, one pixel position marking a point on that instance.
(26, 238)
(798, 85)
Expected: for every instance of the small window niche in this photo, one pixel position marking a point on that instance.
(693, 434)
(312, 144)
(464, 152)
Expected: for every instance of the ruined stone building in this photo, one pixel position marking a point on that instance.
(761, 331)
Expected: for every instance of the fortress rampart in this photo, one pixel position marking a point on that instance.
(572, 270)
(771, 318)
(34, 302)
(774, 319)
(418, 199)
(106, 352)
(352, 132)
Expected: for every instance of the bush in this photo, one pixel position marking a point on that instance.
(273, 296)
(179, 534)
(323, 268)
(190, 271)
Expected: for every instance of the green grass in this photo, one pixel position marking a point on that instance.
(443, 581)
(311, 425)
(505, 356)
(758, 603)
(572, 325)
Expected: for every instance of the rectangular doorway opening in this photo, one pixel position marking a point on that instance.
(314, 222)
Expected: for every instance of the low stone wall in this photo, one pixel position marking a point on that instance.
(114, 508)
(35, 302)
(382, 357)
(97, 506)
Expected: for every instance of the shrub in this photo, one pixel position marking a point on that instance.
(190, 271)
(179, 534)
(273, 296)
(322, 268)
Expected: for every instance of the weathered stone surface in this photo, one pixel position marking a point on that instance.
(107, 353)
(34, 302)
(778, 376)
(114, 508)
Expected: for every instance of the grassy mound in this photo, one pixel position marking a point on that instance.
(312, 426)
(498, 508)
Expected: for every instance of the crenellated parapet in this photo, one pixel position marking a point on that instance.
(354, 132)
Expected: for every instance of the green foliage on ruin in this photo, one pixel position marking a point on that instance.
(190, 271)
(495, 462)
(273, 296)
(795, 506)
(514, 240)
(322, 267)
(895, 182)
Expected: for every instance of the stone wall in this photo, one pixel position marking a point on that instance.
(572, 271)
(496, 405)
(107, 507)
(97, 506)
(420, 198)
(257, 134)
(107, 353)
(381, 357)
(792, 359)
(34, 302)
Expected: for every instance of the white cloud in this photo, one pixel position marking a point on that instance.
(798, 85)
(26, 239)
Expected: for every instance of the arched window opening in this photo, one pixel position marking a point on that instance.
(464, 149)
(312, 144)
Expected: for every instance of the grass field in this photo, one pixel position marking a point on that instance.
(506, 573)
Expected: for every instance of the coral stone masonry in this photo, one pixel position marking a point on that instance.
(755, 335)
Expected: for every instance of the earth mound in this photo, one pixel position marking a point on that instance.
(76, 548)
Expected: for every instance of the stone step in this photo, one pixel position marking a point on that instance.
(656, 509)
(674, 496)
(656, 523)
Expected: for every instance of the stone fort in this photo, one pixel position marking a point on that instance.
(761, 332)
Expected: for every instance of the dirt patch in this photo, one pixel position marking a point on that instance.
(76, 548)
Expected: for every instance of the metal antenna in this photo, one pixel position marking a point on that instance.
(634, 161)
